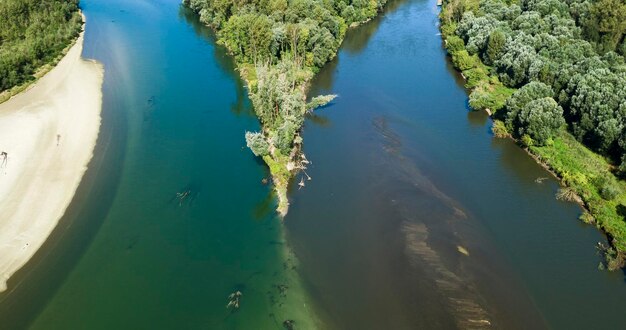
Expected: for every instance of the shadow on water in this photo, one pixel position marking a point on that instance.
(356, 39)
(33, 285)
(324, 79)
(354, 43)
(478, 119)
(318, 119)
(265, 207)
(222, 58)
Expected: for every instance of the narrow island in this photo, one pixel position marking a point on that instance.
(49, 121)
(279, 46)
(552, 75)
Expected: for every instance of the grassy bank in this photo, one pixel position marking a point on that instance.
(586, 177)
(590, 177)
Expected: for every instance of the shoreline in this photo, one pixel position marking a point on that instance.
(48, 132)
(571, 170)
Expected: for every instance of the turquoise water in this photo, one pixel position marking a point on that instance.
(404, 178)
(174, 117)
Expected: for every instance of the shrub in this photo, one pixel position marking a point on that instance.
(587, 218)
(566, 194)
(609, 192)
(463, 60)
(527, 141)
(519, 100)
(454, 44)
(257, 143)
(499, 129)
(540, 119)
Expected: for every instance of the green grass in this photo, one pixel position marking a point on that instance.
(281, 176)
(591, 177)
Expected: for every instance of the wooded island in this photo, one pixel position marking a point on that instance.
(279, 45)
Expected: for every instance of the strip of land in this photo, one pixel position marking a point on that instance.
(47, 137)
(279, 47)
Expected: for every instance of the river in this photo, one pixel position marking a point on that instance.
(415, 217)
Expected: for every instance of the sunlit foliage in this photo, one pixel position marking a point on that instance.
(33, 33)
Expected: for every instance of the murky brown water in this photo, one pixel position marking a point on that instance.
(416, 217)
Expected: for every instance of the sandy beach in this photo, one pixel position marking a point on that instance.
(47, 137)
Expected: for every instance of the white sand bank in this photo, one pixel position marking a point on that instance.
(39, 177)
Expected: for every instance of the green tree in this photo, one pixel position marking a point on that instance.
(606, 24)
(497, 40)
(540, 119)
(598, 107)
(518, 101)
(257, 143)
(34, 33)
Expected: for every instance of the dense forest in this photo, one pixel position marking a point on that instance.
(566, 59)
(550, 70)
(279, 45)
(34, 33)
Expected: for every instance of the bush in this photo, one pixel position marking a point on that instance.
(518, 101)
(540, 119)
(587, 218)
(609, 192)
(454, 44)
(567, 194)
(257, 143)
(499, 129)
(475, 76)
(527, 141)
(463, 60)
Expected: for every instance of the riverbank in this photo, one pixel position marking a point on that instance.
(587, 177)
(47, 134)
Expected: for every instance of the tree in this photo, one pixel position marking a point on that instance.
(257, 143)
(518, 101)
(320, 101)
(598, 107)
(540, 119)
(34, 33)
(607, 23)
(495, 45)
(463, 60)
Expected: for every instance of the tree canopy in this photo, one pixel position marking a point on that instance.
(565, 57)
(33, 33)
(279, 45)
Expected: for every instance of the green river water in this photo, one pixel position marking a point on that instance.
(403, 177)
